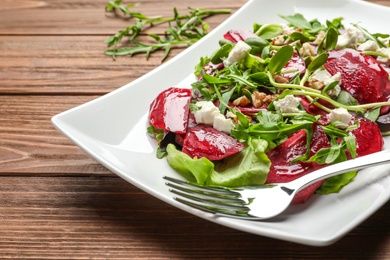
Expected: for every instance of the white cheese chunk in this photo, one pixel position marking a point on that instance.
(385, 51)
(288, 104)
(324, 77)
(206, 113)
(340, 114)
(237, 53)
(369, 46)
(209, 114)
(287, 30)
(223, 124)
(348, 38)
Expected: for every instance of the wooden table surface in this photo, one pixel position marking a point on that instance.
(56, 201)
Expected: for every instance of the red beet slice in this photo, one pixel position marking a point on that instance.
(239, 35)
(170, 109)
(295, 63)
(361, 75)
(282, 170)
(368, 137)
(314, 110)
(206, 141)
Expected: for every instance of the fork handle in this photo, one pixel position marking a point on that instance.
(373, 159)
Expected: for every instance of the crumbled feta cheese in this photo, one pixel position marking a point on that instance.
(287, 30)
(223, 124)
(385, 51)
(288, 104)
(209, 114)
(348, 38)
(206, 113)
(340, 114)
(369, 45)
(321, 78)
(385, 41)
(334, 92)
(237, 53)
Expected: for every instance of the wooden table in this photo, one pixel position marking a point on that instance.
(56, 201)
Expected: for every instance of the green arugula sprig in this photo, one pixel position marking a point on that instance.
(114, 5)
(182, 31)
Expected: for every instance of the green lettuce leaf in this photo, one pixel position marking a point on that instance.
(193, 168)
(336, 183)
(249, 167)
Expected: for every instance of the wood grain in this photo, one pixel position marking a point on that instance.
(56, 202)
(105, 217)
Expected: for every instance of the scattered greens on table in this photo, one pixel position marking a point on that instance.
(183, 30)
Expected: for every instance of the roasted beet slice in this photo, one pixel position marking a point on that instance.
(361, 75)
(314, 110)
(368, 137)
(295, 63)
(282, 170)
(239, 35)
(170, 109)
(206, 141)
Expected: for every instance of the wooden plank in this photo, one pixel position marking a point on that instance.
(89, 217)
(30, 144)
(66, 64)
(87, 17)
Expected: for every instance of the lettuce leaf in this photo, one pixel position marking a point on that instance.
(249, 167)
(336, 183)
(192, 168)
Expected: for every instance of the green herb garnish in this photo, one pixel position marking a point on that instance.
(183, 30)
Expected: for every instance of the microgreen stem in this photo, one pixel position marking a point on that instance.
(318, 104)
(357, 108)
(292, 86)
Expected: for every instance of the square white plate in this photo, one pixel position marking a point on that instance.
(112, 129)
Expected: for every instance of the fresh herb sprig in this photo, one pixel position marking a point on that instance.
(183, 30)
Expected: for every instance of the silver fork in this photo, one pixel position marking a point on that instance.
(265, 201)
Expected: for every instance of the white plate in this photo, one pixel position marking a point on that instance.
(112, 129)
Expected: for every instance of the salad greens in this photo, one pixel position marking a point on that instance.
(286, 65)
(188, 28)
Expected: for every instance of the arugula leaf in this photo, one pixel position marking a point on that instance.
(221, 53)
(318, 62)
(297, 20)
(299, 36)
(268, 31)
(280, 59)
(345, 98)
(331, 39)
(188, 29)
(257, 45)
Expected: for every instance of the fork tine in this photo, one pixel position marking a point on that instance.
(205, 194)
(216, 210)
(216, 200)
(214, 191)
(209, 200)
